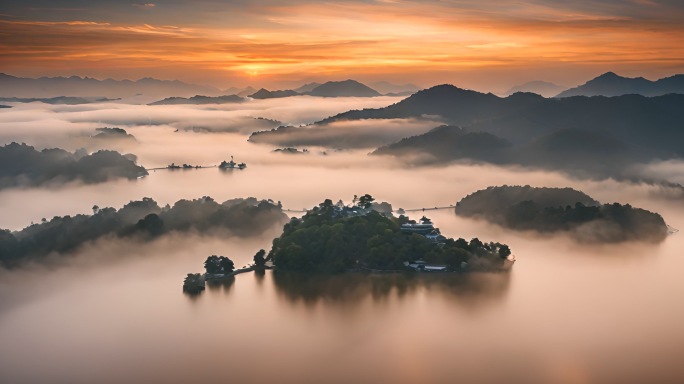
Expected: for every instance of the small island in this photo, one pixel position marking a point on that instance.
(291, 151)
(107, 133)
(28, 167)
(549, 210)
(365, 237)
(334, 238)
(231, 164)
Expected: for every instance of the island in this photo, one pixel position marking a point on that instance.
(107, 133)
(291, 151)
(334, 238)
(24, 166)
(337, 238)
(565, 210)
(138, 221)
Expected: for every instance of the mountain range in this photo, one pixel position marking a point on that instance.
(347, 88)
(49, 88)
(580, 152)
(75, 86)
(543, 88)
(648, 122)
(598, 134)
(199, 100)
(68, 100)
(611, 84)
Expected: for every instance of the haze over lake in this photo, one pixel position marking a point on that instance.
(114, 312)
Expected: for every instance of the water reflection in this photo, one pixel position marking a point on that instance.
(221, 285)
(259, 276)
(352, 288)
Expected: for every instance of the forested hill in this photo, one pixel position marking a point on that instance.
(138, 221)
(24, 166)
(548, 210)
(650, 123)
(330, 239)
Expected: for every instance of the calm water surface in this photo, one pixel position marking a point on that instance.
(564, 315)
(567, 313)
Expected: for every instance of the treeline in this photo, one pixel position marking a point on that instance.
(579, 152)
(492, 202)
(107, 133)
(23, 165)
(326, 242)
(141, 220)
(549, 210)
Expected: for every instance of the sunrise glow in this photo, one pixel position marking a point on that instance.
(416, 41)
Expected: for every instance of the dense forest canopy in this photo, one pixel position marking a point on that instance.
(141, 220)
(107, 133)
(549, 210)
(576, 151)
(23, 165)
(650, 123)
(328, 240)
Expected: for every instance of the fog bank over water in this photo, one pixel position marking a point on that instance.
(568, 312)
(40, 124)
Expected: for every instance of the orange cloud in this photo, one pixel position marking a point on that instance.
(426, 40)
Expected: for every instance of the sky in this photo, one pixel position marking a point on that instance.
(481, 45)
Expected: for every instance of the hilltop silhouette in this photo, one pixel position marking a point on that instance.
(611, 84)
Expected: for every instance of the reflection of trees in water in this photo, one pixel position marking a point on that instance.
(467, 289)
(192, 296)
(259, 275)
(225, 284)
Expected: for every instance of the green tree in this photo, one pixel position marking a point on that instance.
(226, 264)
(259, 259)
(365, 201)
(211, 265)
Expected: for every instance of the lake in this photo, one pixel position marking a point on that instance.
(115, 312)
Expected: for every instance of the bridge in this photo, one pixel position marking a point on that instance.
(400, 210)
(180, 167)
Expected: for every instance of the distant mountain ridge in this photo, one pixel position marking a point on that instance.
(307, 87)
(75, 86)
(242, 92)
(580, 152)
(587, 136)
(87, 88)
(67, 100)
(611, 84)
(652, 123)
(200, 100)
(543, 88)
(346, 88)
(385, 87)
(266, 94)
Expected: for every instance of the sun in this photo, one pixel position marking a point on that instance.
(253, 70)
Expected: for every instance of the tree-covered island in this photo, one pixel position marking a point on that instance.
(563, 210)
(336, 238)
